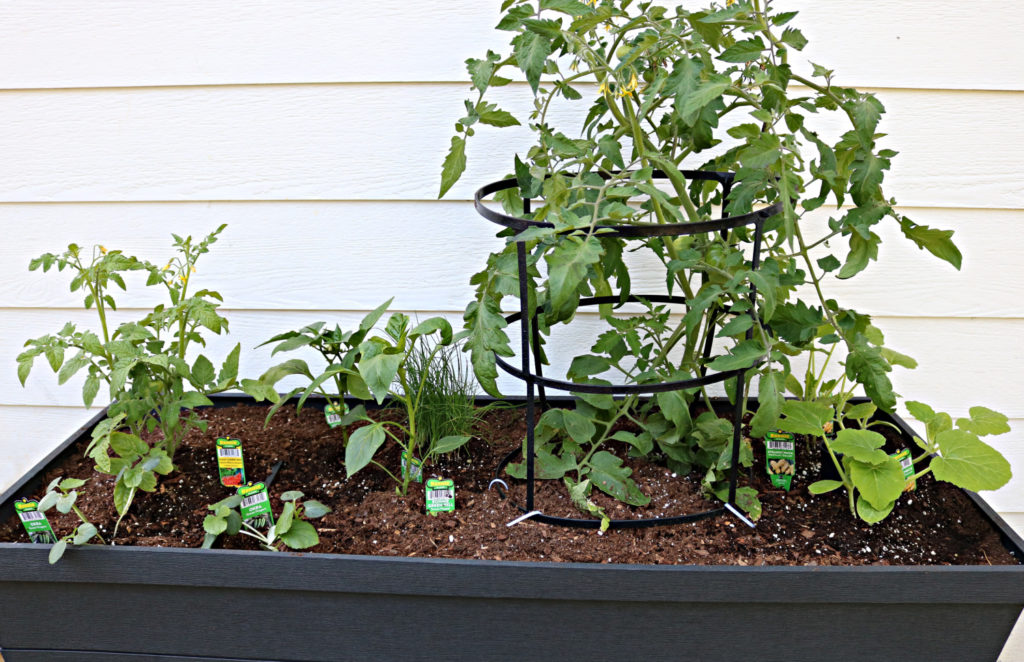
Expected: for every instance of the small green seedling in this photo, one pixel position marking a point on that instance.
(63, 493)
(241, 512)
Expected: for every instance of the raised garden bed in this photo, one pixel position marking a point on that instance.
(242, 604)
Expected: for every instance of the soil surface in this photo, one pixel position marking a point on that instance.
(936, 524)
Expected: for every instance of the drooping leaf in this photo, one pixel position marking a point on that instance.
(454, 164)
(379, 371)
(824, 486)
(937, 242)
(450, 443)
(532, 50)
(867, 512)
(362, 445)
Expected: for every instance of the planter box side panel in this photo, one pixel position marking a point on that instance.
(202, 622)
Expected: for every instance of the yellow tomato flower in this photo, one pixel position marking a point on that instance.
(593, 3)
(604, 87)
(103, 249)
(730, 3)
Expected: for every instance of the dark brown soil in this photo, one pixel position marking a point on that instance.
(936, 524)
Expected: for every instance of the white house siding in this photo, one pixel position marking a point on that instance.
(316, 130)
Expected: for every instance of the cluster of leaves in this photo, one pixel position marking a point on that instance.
(144, 364)
(62, 493)
(371, 366)
(290, 527)
(662, 89)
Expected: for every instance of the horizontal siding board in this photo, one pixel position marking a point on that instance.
(373, 142)
(76, 43)
(353, 255)
(28, 434)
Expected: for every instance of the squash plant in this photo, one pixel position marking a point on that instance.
(661, 90)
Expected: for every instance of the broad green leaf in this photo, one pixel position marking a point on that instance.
(292, 495)
(203, 371)
(743, 51)
(450, 443)
(805, 417)
(610, 149)
(567, 268)
(454, 164)
(608, 475)
(379, 371)
(432, 325)
(494, 116)
(736, 326)
(371, 318)
(532, 51)
(869, 513)
(90, 389)
(676, 409)
(937, 242)
(920, 411)
(314, 509)
(743, 355)
(84, 533)
(301, 535)
(259, 390)
(824, 486)
(284, 522)
(290, 367)
(968, 462)
(194, 399)
(705, 93)
(579, 427)
(866, 111)
(48, 501)
(55, 356)
(71, 483)
(362, 445)
(861, 445)
(215, 525)
(984, 421)
(770, 401)
(65, 502)
(57, 551)
(867, 367)
(880, 484)
(229, 371)
(863, 411)
(643, 443)
(862, 251)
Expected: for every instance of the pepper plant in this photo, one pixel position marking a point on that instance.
(662, 90)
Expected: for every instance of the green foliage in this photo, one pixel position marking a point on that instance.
(144, 364)
(443, 384)
(290, 529)
(677, 89)
(62, 493)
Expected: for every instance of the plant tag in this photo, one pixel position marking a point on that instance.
(334, 413)
(229, 462)
(907, 464)
(35, 522)
(440, 496)
(255, 508)
(780, 458)
(417, 467)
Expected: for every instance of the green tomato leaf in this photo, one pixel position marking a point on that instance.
(454, 164)
(937, 242)
(968, 462)
(608, 475)
(203, 371)
(568, 264)
(532, 50)
(743, 51)
(770, 401)
(743, 355)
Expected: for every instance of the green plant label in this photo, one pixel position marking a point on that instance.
(229, 462)
(255, 506)
(907, 464)
(35, 522)
(780, 458)
(334, 413)
(440, 496)
(417, 467)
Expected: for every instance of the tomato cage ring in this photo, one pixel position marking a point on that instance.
(530, 339)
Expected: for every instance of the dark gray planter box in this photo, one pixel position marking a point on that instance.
(128, 604)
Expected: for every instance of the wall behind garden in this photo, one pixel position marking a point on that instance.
(316, 129)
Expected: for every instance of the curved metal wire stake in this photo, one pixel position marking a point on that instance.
(530, 343)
